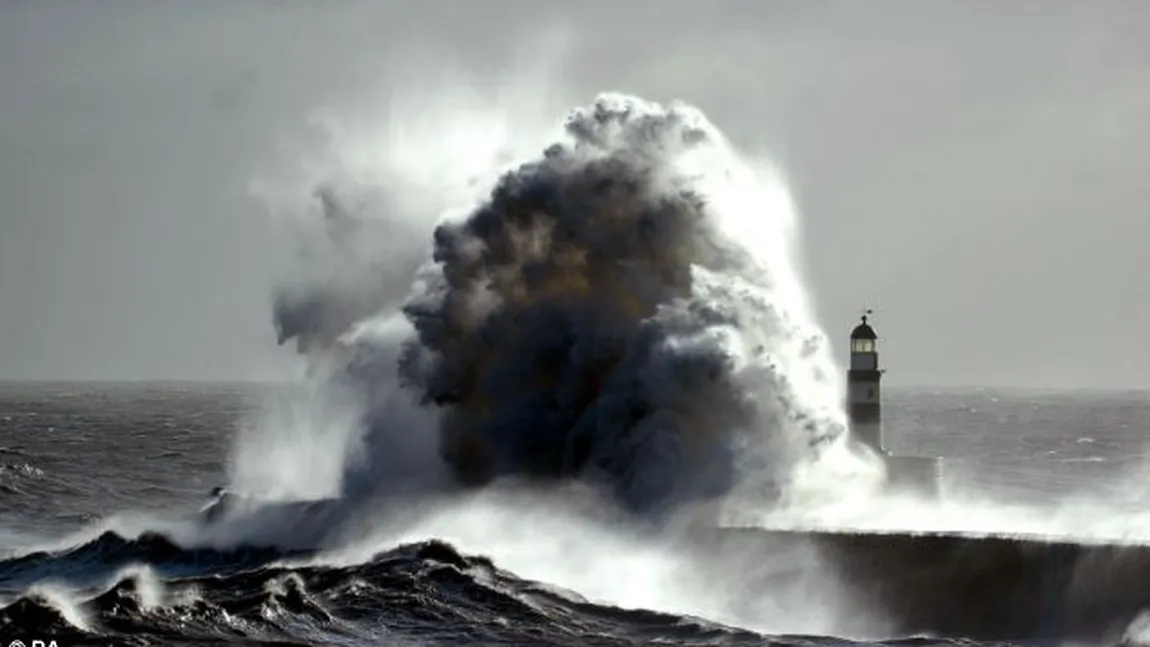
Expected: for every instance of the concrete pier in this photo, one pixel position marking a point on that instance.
(956, 585)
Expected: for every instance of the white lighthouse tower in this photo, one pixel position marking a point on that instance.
(921, 474)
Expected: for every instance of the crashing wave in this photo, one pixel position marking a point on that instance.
(623, 309)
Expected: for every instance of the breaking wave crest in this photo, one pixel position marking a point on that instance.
(622, 309)
(149, 591)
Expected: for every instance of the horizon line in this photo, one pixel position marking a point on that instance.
(8, 381)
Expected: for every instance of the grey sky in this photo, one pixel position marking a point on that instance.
(971, 168)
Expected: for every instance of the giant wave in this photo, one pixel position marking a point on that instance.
(624, 309)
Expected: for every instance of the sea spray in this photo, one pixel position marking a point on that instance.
(623, 309)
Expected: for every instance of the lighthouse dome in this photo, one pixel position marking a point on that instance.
(863, 331)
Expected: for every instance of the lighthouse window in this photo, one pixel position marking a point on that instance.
(862, 345)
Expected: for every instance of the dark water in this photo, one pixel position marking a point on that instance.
(72, 455)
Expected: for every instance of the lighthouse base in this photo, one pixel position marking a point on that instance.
(920, 475)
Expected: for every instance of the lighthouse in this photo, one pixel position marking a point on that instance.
(864, 397)
(920, 474)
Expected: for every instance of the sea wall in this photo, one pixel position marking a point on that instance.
(981, 587)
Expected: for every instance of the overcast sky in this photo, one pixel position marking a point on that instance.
(975, 170)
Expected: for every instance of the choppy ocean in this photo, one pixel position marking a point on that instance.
(92, 477)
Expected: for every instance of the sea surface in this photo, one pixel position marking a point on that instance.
(85, 467)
